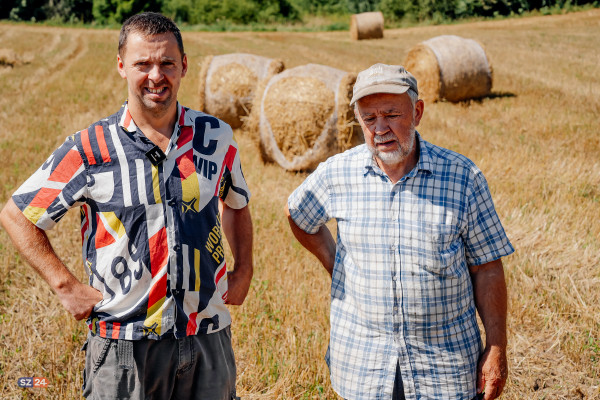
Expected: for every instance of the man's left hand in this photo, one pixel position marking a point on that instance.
(238, 282)
(492, 372)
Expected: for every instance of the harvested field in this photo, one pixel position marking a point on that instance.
(535, 137)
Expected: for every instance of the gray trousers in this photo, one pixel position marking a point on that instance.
(195, 367)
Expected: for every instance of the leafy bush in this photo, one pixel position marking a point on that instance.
(251, 12)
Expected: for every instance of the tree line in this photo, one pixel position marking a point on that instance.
(244, 12)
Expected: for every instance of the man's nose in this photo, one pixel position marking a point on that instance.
(381, 126)
(155, 74)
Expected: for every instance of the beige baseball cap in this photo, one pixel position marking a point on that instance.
(383, 78)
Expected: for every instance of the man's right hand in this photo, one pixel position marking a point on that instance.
(79, 299)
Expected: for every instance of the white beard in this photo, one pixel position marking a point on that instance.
(398, 155)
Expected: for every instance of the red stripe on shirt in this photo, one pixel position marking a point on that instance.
(102, 143)
(103, 237)
(182, 116)
(158, 291)
(87, 147)
(102, 325)
(127, 119)
(220, 274)
(185, 163)
(187, 133)
(159, 251)
(67, 167)
(116, 328)
(227, 161)
(192, 326)
(44, 197)
(86, 222)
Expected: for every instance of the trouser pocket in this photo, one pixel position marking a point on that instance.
(96, 349)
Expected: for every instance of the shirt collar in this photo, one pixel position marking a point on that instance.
(126, 122)
(425, 162)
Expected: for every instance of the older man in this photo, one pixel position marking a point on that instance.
(419, 247)
(148, 180)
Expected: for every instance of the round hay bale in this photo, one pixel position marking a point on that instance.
(9, 58)
(305, 116)
(368, 25)
(228, 82)
(450, 67)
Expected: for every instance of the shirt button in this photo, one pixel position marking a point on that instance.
(177, 247)
(171, 203)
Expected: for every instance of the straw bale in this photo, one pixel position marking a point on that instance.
(228, 83)
(450, 67)
(349, 133)
(9, 58)
(304, 116)
(368, 25)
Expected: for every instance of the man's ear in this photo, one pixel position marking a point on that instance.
(419, 108)
(185, 65)
(121, 67)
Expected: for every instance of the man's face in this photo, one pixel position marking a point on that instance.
(388, 122)
(153, 67)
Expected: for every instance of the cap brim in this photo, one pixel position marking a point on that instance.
(381, 88)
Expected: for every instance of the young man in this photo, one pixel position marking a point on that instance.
(418, 250)
(149, 180)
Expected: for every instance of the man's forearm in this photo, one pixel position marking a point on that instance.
(33, 244)
(321, 244)
(237, 227)
(489, 287)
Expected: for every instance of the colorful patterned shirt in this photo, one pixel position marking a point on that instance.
(401, 289)
(150, 227)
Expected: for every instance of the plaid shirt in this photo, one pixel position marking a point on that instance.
(151, 231)
(401, 289)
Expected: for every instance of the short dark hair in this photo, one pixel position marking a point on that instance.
(148, 24)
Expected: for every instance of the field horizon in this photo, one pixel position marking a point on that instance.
(535, 137)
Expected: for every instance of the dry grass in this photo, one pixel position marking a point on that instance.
(535, 137)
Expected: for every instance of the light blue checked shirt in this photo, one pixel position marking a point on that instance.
(401, 289)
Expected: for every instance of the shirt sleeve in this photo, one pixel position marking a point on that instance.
(485, 238)
(57, 186)
(233, 189)
(309, 204)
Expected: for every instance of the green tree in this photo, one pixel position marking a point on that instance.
(117, 11)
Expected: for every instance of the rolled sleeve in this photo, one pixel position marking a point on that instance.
(233, 187)
(57, 186)
(485, 239)
(309, 203)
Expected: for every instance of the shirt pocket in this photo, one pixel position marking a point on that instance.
(436, 248)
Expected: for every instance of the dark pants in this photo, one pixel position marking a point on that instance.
(398, 393)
